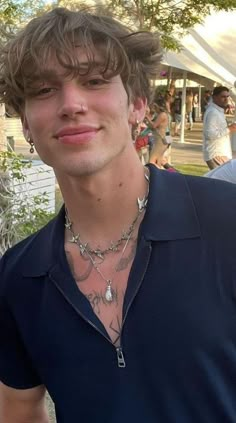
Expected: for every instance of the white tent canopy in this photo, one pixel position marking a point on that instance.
(209, 49)
(208, 55)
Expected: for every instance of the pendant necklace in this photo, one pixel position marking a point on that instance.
(109, 292)
(98, 253)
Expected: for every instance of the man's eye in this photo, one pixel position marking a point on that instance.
(45, 90)
(96, 82)
(41, 92)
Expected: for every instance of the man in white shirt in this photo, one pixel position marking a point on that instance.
(216, 133)
(225, 172)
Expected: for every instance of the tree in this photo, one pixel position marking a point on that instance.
(169, 17)
(15, 12)
(8, 12)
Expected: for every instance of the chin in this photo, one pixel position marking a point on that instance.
(84, 167)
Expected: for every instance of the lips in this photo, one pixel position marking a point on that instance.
(76, 135)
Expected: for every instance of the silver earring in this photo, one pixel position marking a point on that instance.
(31, 147)
(135, 130)
(31, 143)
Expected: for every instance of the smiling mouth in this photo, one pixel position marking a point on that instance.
(77, 136)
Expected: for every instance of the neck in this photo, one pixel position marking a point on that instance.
(222, 107)
(103, 205)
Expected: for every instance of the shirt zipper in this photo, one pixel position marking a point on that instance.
(119, 350)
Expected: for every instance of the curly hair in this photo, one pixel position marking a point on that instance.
(135, 56)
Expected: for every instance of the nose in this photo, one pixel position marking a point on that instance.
(71, 101)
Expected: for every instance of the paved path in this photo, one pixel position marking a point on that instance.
(189, 152)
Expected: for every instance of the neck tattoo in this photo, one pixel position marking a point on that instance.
(98, 253)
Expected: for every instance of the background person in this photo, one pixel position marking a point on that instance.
(195, 107)
(142, 142)
(161, 131)
(189, 109)
(206, 100)
(225, 172)
(216, 133)
(169, 103)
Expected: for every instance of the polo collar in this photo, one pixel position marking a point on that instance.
(44, 249)
(170, 215)
(221, 109)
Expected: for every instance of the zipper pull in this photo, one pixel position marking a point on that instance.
(120, 357)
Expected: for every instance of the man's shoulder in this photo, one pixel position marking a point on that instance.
(213, 109)
(192, 205)
(211, 188)
(214, 200)
(202, 190)
(32, 247)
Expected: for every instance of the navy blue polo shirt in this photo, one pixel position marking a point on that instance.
(179, 316)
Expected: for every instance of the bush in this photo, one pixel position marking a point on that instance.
(20, 214)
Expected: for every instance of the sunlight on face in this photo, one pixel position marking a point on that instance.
(79, 123)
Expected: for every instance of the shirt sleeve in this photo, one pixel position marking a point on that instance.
(214, 127)
(16, 368)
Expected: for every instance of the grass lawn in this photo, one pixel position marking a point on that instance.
(192, 169)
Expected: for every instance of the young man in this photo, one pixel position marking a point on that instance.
(189, 108)
(123, 307)
(216, 133)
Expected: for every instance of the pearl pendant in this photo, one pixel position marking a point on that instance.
(109, 294)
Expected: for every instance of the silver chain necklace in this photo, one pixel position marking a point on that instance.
(114, 246)
(85, 249)
(97, 252)
(109, 292)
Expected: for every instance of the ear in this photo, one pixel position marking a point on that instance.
(25, 128)
(137, 110)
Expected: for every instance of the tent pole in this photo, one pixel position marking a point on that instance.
(169, 77)
(183, 108)
(199, 101)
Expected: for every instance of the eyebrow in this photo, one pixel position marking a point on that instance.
(50, 74)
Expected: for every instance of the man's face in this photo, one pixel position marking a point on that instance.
(221, 99)
(80, 125)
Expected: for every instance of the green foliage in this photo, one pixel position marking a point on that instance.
(15, 163)
(9, 14)
(172, 18)
(32, 9)
(20, 214)
(14, 13)
(8, 11)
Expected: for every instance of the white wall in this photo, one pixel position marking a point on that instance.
(40, 179)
